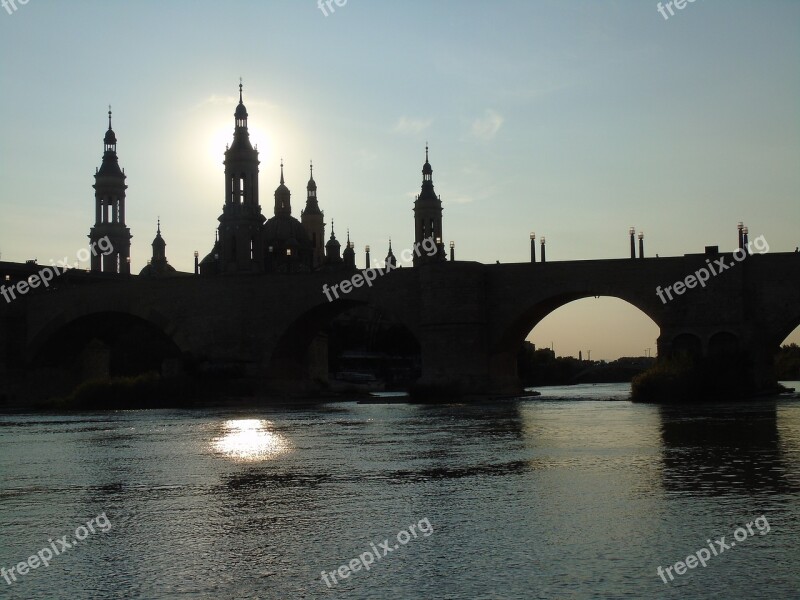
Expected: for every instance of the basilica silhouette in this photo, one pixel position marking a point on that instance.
(246, 241)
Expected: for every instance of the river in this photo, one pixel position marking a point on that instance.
(574, 494)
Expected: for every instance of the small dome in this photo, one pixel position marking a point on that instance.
(157, 269)
(111, 137)
(241, 111)
(285, 230)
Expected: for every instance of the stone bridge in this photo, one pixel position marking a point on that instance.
(470, 319)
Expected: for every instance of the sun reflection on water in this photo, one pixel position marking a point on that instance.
(250, 439)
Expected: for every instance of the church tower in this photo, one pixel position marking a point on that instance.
(241, 220)
(109, 197)
(428, 217)
(312, 219)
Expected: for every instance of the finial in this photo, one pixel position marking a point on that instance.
(426, 151)
(109, 116)
(216, 235)
(311, 164)
(390, 243)
(348, 236)
(158, 231)
(240, 91)
(282, 171)
(332, 227)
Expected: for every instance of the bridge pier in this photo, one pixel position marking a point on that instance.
(454, 333)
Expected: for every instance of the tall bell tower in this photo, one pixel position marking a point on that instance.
(109, 198)
(241, 219)
(312, 219)
(428, 217)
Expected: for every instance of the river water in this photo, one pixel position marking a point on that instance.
(575, 494)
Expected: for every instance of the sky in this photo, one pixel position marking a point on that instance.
(573, 119)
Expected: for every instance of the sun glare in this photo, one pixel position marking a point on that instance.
(222, 135)
(250, 439)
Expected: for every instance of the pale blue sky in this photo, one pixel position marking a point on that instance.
(573, 119)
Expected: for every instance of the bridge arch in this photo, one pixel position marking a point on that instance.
(788, 328)
(517, 326)
(103, 343)
(532, 311)
(301, 349)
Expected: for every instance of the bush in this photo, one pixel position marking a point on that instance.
(694, 379)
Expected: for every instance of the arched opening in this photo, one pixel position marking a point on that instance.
(99, 347)
(345, 346)
(106, 344)
(686, 344)
(587, 340)
(787, 359)
(793, 337)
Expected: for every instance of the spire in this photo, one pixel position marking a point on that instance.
(110, 140)
(427, 170)
(241, 111)
(312, 185)
(332, 249)
(283, 198)
(312, 206)
(159, 244)
(349, 255)
(391, 261)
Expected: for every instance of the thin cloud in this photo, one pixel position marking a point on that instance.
(408, 125)
(486, 127)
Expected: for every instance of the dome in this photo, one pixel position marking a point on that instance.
(111, 137)
(157, 269)
(241, 111)
(285, 231)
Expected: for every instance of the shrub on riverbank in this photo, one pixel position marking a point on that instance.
(787, 363)
(693, 379)
(148, 390)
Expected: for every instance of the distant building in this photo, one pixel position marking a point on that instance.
(245, 240)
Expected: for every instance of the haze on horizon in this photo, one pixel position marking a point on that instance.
(576, 120)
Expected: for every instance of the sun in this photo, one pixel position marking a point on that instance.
(221, 136)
